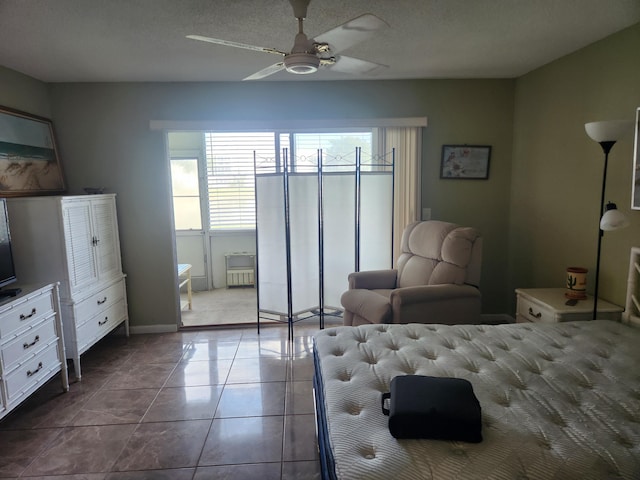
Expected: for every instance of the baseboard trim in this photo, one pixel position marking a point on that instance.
(496, 318)
(142, 329)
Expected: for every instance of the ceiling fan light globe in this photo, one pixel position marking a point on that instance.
(301, 63)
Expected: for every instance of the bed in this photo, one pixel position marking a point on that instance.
(559, 401)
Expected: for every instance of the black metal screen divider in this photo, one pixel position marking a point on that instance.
(287, 241)
(256, 262)
(287, 224)
(320, 240)
(358, 208)
(393, 197)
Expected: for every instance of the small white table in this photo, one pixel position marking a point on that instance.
(549, 305)
(184, 278)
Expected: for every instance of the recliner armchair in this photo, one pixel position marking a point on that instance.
(437, 280)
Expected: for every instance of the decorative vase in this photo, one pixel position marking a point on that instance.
(576, 283)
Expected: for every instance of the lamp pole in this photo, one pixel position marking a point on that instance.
(606, 148)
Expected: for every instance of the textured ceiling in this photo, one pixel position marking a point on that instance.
(144, 40)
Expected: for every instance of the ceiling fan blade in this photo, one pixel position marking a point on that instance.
(265, 72)
(235, 44)
(354, 31)
(355, 65)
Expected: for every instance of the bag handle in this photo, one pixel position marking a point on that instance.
(385, 396)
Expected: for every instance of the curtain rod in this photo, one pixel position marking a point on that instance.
(270, 125)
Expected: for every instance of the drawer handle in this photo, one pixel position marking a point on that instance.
(31, 374)
(534, 315)
(33, 312)
(106, 319)
(100, 302)
(29, 345)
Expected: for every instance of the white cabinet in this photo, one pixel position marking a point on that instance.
(31, 346)
(73, 240)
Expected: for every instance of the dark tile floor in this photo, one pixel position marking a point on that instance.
(208, 404)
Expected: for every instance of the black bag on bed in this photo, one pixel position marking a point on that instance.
(433, 407)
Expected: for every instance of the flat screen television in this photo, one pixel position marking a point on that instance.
(7, 267)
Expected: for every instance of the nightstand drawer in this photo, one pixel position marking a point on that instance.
(533, 312)
(550, 305)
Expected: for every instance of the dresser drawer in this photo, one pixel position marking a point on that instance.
(29, 343)
(24, 314)
(32, 372)
(99, 302)
(533, 312)
(101, 324)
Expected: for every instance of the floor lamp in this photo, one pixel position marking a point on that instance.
(606, 133)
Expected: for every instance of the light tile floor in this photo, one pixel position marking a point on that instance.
(209, 404)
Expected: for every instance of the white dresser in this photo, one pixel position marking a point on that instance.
(31, 345)
(73, 240)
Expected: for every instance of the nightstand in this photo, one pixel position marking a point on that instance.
(549, 305)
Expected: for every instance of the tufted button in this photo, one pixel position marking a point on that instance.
(624, 441)
(459, 452)
(449, 345)
(337, 353)
(344, 376)
(332, 333)
(368, 453)
(535, 369)
(354, 410)
(502, 399)
(393, 347)
(472, 367)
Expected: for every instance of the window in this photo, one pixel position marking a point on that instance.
(230, 166)
(186, 194)
(230, 183)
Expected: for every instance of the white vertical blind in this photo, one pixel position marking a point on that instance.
(230, 176)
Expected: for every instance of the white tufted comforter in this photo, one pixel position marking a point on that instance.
(559, 401)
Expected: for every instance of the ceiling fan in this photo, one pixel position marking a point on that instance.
(307, 55)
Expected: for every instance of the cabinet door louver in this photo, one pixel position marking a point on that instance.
(78, 239)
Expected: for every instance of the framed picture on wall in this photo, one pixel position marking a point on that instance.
(465, 161)
(635, 193)
(29, 163)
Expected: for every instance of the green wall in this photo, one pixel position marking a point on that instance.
(557, 169)
(105, 140)
(20, 92)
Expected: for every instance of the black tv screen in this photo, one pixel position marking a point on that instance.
(7, 269)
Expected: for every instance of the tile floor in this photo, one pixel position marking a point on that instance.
(221, 306)
(209, 404)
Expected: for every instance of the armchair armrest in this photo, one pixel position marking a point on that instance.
(433, 293)
(448, 304)
(373, 279)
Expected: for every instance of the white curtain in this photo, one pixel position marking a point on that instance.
(407, 142)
